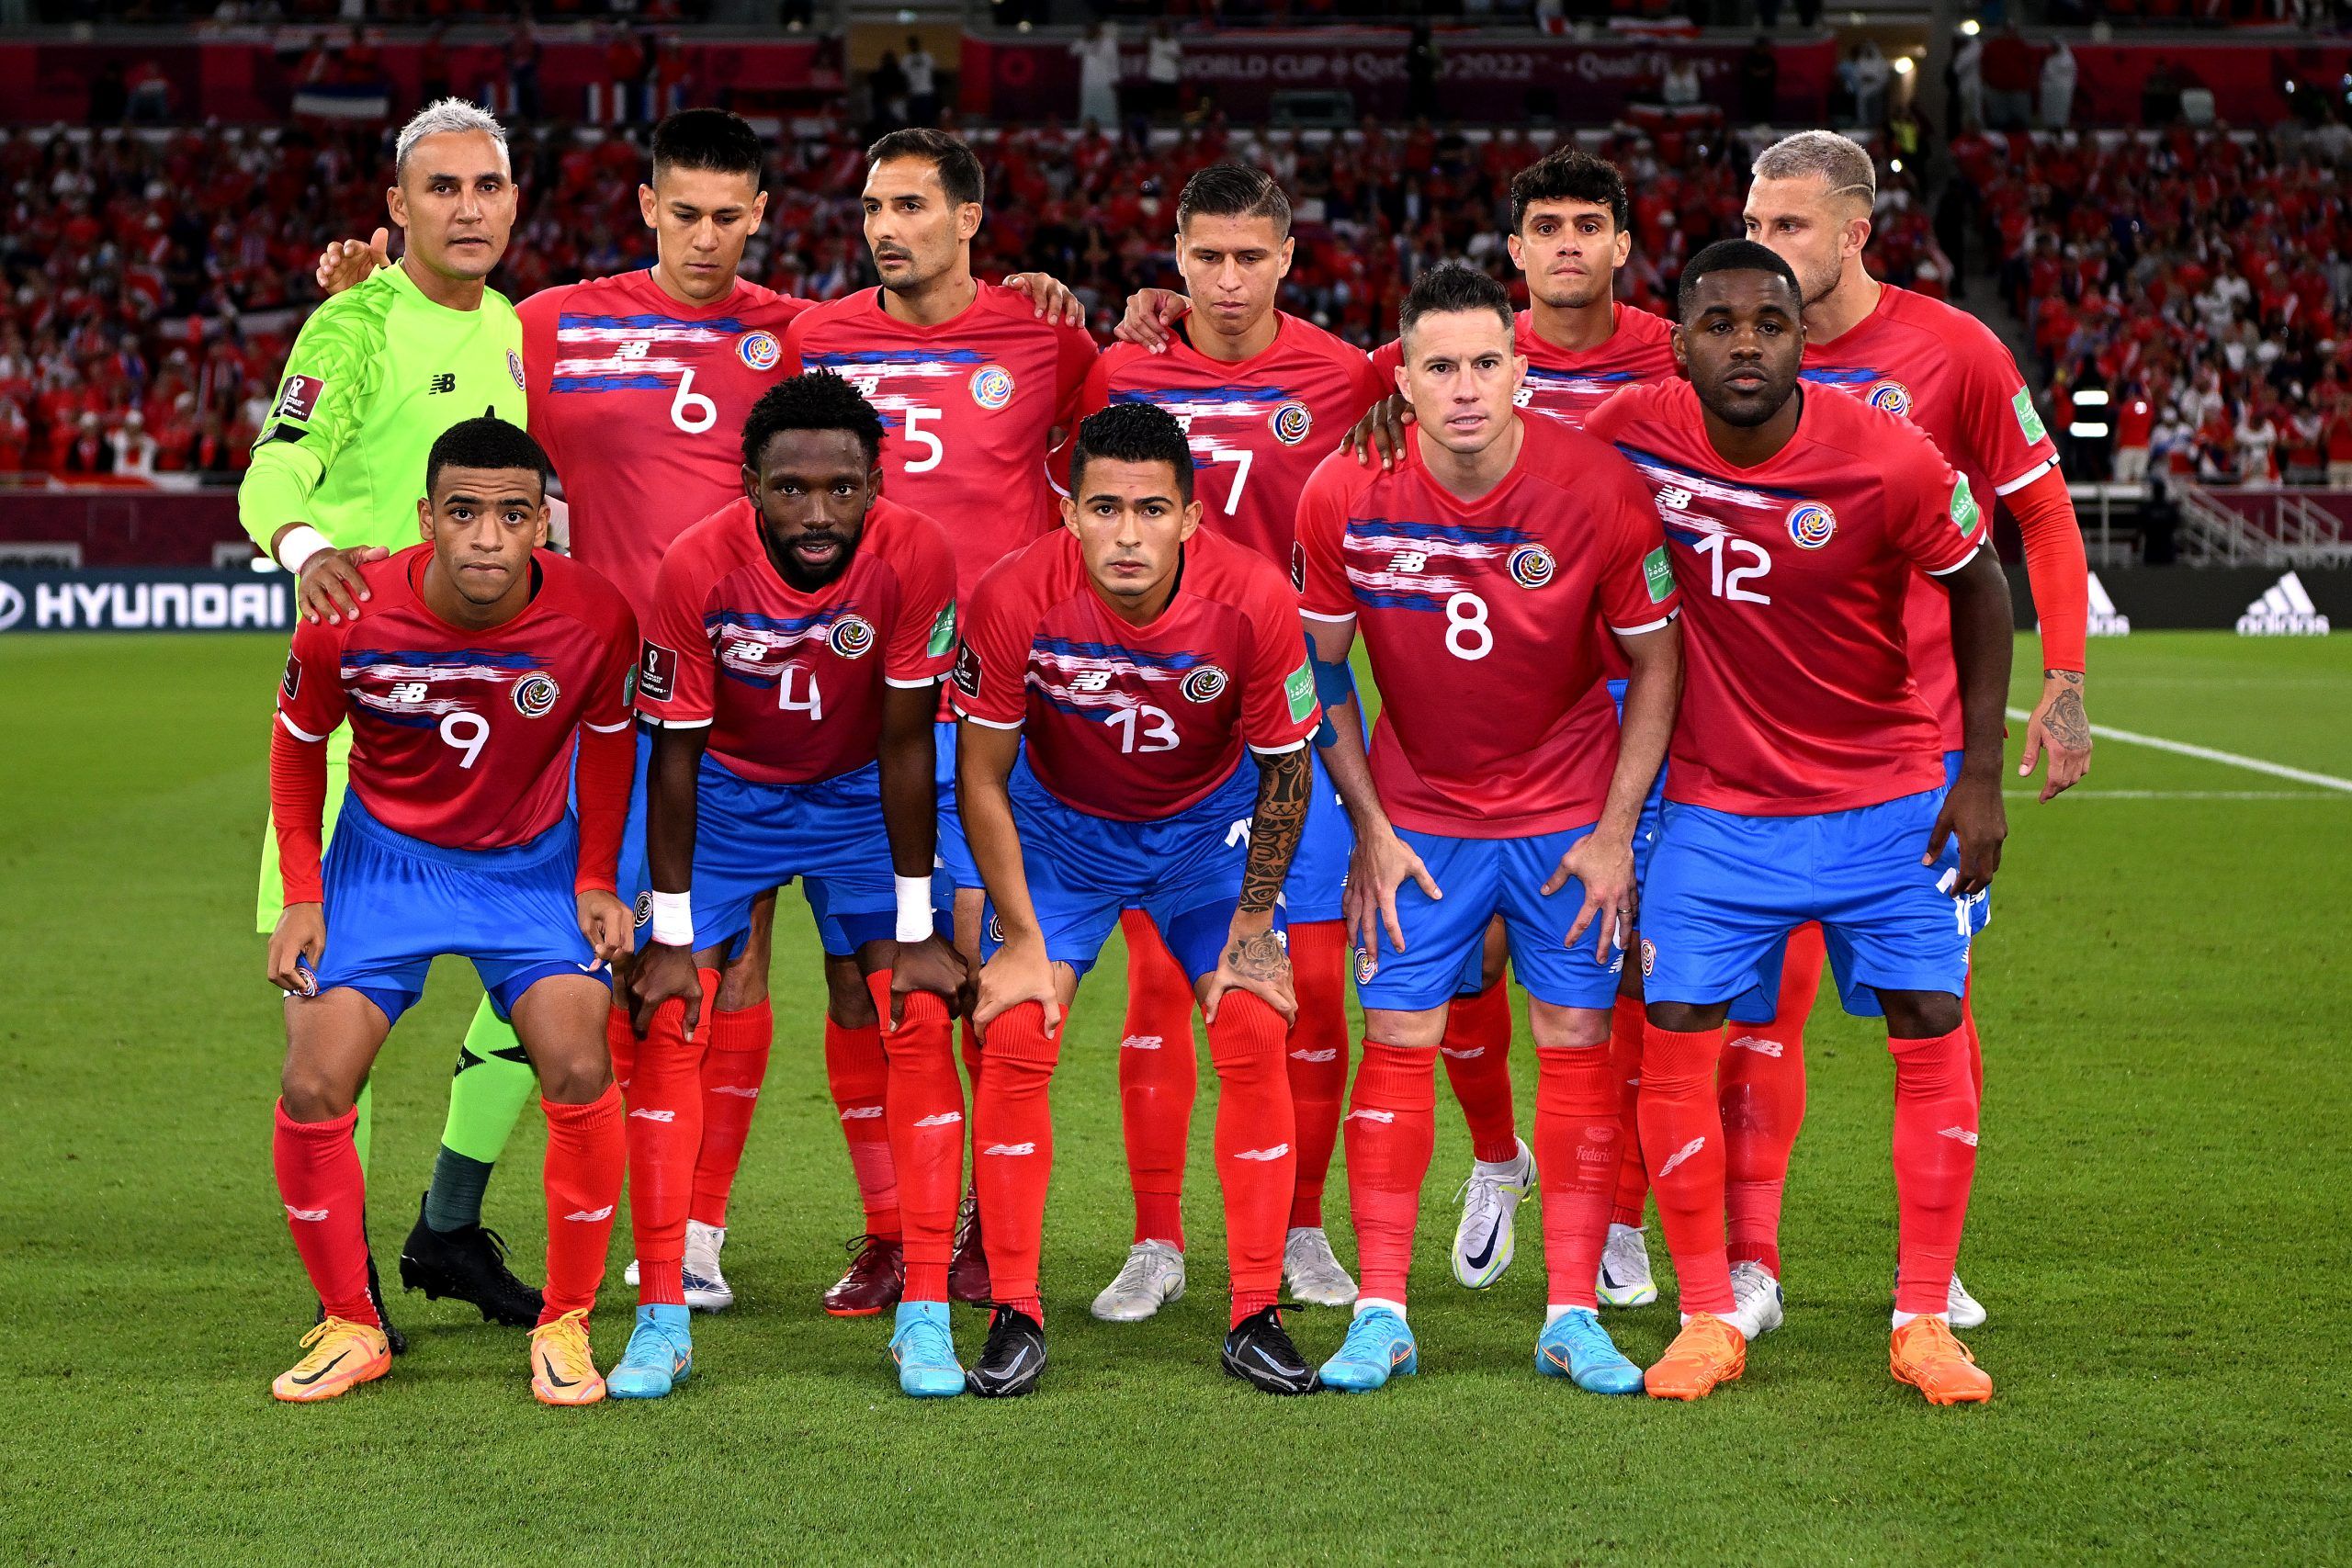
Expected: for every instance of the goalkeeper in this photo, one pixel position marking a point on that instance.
(375, 375)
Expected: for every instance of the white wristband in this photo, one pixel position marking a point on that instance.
(673, 920)
(914, 907)
(301, 543)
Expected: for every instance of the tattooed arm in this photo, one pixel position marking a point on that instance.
(1254, 959)
(2060, 728)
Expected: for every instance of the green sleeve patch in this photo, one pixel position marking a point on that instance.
(2029, 418)
(1659, 574)
(1299, 688)
(1965, 514)
(943, 631)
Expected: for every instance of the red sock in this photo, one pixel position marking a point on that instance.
(970, 1041)
(1578, 1141)
(733, 1070)
(1682, 1140)
(1625, 1025)
(664, 1133)
(1257, 1156)
(586, 1152)
(924, 1114)
(1318, 1059)
(1976, 1046)
(1762, 1092)
(620, 1043)
(1476, 1050)
(1013, 1142)
(1935, 1162)
(325, 1196)
(1159, 1075)
(1391, 1127)
(859, 1077)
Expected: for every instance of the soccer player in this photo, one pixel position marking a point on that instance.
(1807, 780)
(375, 375)
(1947, 374)
(466, 670)
(972, 387)
(1263, 397)
(792, 662)
(1486, 571)
(1139, 656)
(639, 384)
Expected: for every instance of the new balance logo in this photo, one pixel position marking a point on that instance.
(1470, 1055)
(1963, 1133)
(1141, 1043)
(591, 1216)
(1010, 1149)
(445, 382)
(636, 348)
(1685, 1152)
(2284, 609)
(1329, 1053)
(751, 1093)
(1276, 1153)
(313, 1215)
(656, 1115)
(749, 652)
(1371, 1116)
(860, 1113)
(1674, 498)
(408, 691)
(941, 1119)
(1758, 1044)
(1091, 681)
(1409, 560)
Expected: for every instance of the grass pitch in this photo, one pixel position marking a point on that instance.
(2158, 1229)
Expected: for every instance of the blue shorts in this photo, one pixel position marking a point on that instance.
(633, 879)
(750, 838)
(1482, 878)
(1725, 891)
(394, 903)
(955, 868)
(1318, 872)
(1184, 872)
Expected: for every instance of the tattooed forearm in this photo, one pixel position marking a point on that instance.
(2068, 725)
(1283, 783)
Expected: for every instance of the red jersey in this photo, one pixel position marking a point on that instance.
(1569, 387)
(1944, 370)
(1798, 693)
(1137, 722)
(1487, 620)
(464, 739)
(968, 406)
(1258, 427)
(791, 682)
(640, 401)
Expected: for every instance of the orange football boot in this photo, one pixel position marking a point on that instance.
(562, 1369)
(342, 1355)
(1709, 1350)
(1925, 1354)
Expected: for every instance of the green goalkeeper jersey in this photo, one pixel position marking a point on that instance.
(378, 372)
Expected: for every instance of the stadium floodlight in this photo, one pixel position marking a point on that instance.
(2082, 430)
(2091, 397)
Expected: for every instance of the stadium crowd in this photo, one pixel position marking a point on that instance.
(154, 280)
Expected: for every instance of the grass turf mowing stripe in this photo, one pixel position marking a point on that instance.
(2209, 754)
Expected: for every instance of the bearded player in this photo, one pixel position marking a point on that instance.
(792, 662)
(1262, 397)
(973, 385)
(1485, 572)
(639, 384)
(1139, 658)
(1947, 374)
(1807, 780)
(474, 661)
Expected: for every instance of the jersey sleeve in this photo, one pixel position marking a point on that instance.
(1933, 520)
(1075, 355)
(922, 643)
(1279, 711)
(2005, 439)
(609, 707)
(1636, 592)
(539, 315)
(1373, 379)
(1093, 397)
(322, 398)
(1386, 360)
(676, 676)
(992, 679)
(1318, 569)
(309, 695)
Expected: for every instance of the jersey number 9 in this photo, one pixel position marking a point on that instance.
(468, 732)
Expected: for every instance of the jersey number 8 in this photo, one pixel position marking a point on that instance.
(1467, 636)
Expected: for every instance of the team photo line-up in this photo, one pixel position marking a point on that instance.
(628, 607)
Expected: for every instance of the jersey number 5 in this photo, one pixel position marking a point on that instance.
(917, 435)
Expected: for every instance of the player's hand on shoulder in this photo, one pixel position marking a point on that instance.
(1382, 863)
(347, 264)
(1972, 814)
(1151, 316)
(1603, 865)
(1380, 432)
(1020, 972)
(662, 974)
(1255, 961)
(296, 945)
(931, 964)
(2061, 729)
(330, 588)
(1049, 298)
(607, 923)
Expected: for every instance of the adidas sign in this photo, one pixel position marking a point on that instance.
(2285, 609)
(2106, 620)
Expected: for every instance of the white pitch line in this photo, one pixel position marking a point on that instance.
(2207, 753)
(2176, 794)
